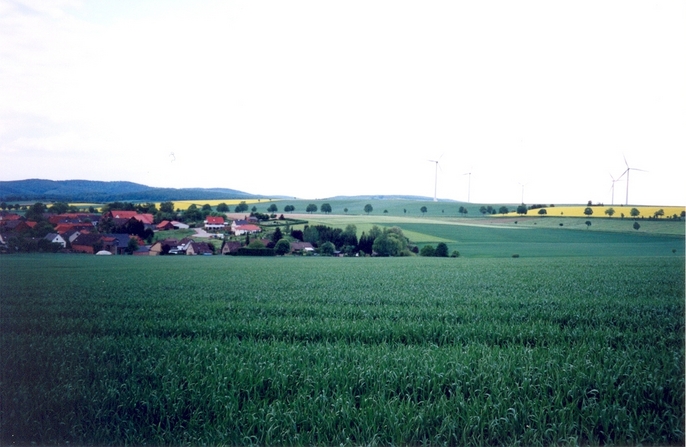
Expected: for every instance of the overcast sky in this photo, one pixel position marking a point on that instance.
(322, 98)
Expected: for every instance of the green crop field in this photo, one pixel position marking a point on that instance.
(345, 351)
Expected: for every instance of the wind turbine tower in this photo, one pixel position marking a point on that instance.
(627, 172)
(469, 185)
(614, 180)
(435, 179)
(523, 185)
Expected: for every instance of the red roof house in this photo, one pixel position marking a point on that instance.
(214, 223)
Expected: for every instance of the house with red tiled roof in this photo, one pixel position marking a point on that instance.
(164, 225)
(214, 223)
(67, 227)
(86, 242)
(9, 216)
(146, 218)
(16, 225)
(246, 229)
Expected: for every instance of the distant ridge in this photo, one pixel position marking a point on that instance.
(99, 192)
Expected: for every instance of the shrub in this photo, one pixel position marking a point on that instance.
(427, 250)
(282, 247)
(515, 255)
(327, 249)
(455, 254)
(245, 251)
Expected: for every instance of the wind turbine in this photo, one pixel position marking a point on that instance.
(627, 172)
(436, 177)
(469, 184)
(614, 180)
(523, 185)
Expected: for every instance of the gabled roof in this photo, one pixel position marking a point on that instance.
(214, 220)
(63, 228)
(297, 246)
(230, 246)
(248, 227)
(122, 240)
(9, 216)
(145, 218)
(87, 239)
(52, 237)
(199, 248)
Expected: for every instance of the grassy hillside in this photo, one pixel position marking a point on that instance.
(533, 237)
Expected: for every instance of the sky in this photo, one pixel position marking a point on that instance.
(534, 101)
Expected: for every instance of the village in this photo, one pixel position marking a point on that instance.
(105, 234)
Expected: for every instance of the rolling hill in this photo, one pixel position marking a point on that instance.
(97, 191)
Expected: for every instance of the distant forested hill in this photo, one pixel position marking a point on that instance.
(98, 192)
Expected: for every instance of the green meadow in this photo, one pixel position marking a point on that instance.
(529, 236)
(352, 351)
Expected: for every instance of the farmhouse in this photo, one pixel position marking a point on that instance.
(214, 223)
(246, 229)
(301, 247)
(199, 248)
(147, 219)
(85, 243)
(164, 225)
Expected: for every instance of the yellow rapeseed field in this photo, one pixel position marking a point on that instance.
(184, 204)
(599, 211)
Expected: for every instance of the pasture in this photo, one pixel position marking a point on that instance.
(323, 351)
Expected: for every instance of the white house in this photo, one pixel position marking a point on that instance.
(56, 238)
(243, 229)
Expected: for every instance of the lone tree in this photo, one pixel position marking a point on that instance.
(635, 213)
(542, 211)
(273, 208)
(423, 210)
(289, 208)
(368, 208)
(610, 212)
(242, 207)
(659, 213)
(326, 208)
(588, 211)
(503, 210)
(311, 208)
(521, 209)
(441, 250)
